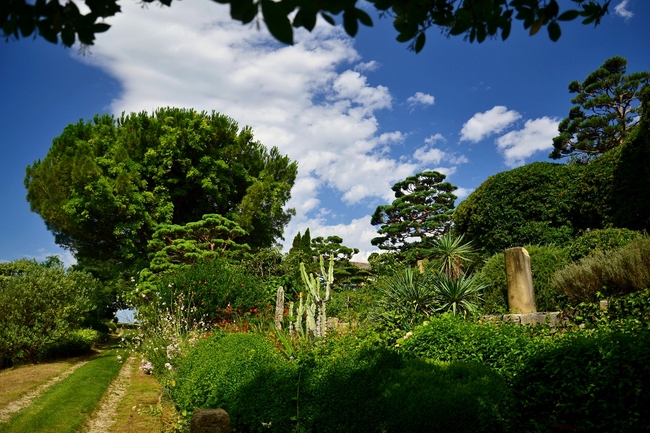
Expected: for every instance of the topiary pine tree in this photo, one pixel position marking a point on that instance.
(607, 109)
(419, 215)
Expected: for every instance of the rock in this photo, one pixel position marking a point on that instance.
(521, 296)
(210, 421)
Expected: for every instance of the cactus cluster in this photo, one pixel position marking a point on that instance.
(314, 305)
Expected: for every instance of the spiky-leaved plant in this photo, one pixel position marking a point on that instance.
(458, 295)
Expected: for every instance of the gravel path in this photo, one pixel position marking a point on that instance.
(27, 399)
(103, 419)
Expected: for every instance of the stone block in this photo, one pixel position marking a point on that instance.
(210, 421)
(521, 297)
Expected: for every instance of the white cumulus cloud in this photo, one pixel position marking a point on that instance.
(490, 122)
(622, 10)
(312, 100)
(420, 99)
(537, 135)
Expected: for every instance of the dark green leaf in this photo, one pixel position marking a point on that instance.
(306, 17)
(536, 26)
(554, 31)
(505, 32)
(481, 34)
(552, 9)
(328, 18)
(277, 21)
(569, 15)
(101, 27)
(67, 35)
(47, 32)
(405, 37)
(241, 10)
(363, 17)
(419, 42)
(350, 23)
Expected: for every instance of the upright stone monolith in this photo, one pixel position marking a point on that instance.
(521, 297)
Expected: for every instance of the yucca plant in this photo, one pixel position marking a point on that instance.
(459, 295)
(450, 255)
(408, 293)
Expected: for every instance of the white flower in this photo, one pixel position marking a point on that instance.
(168, 366)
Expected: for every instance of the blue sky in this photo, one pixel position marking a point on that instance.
(357, 114)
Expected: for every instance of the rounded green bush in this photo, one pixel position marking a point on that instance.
(78, 343)
(601, 240)
(544, 261)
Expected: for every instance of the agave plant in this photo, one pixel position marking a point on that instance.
(458, 295)
(408, 293)
(450, 255)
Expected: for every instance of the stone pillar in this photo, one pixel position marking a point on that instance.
(210, 421)
(521, 297)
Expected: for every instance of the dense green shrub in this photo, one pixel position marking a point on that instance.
(374, 390)
(221, 367)
(600, 240)
(610, 274)
(78, 343)
(501, 346)
(629, 312)
(218, 289)
(533, 204)
(544, 261)
(595, 384)
(352, 304)
(343, 385)
(41, 306)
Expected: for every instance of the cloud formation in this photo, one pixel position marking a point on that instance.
(537, 135)
(420, 99)
(622, 11)
(490, 122)
(311, 100)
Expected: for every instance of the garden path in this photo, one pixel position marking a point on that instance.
(104, 418)
(27, 399)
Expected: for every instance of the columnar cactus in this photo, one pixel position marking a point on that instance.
(316, 307)
(279, 308)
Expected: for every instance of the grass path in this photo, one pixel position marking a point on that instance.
(66, 405)
(104, 418)
(90, 395)
(18, 381)
(26, 399)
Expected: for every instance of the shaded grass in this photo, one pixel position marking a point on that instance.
(16, 382)
(66, 406)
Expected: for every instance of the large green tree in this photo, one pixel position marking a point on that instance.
(608, 106)
(106, 185)
(419, 215)
(476, 20)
